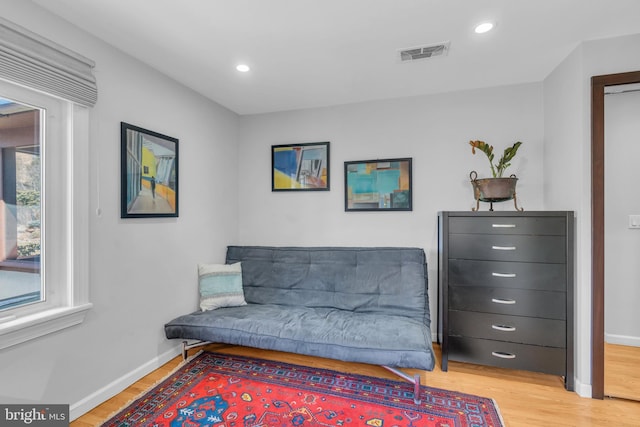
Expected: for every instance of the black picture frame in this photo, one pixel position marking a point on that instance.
(149, 173)
(300, 167)
(378, 185)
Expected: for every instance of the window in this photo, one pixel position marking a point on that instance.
(20, 210)
(44, 232)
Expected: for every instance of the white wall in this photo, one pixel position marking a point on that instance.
(433, 130)
(567, 162)
(142, 271)
(622, 245)
(566, 182)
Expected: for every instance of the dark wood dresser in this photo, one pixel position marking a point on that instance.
(506, 290)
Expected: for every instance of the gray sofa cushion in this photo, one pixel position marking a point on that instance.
(365, 305)
(390, 281)
(338, 334)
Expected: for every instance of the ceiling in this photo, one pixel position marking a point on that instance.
(312, 53)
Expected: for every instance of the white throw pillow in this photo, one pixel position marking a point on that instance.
(220, 285)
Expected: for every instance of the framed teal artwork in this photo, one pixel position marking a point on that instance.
(378, 185)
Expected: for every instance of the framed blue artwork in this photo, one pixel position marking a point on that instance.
(300, 167)
(378, 185)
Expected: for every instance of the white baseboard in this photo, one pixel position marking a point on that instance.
(107, 392)
(622, 340)
(582, 390)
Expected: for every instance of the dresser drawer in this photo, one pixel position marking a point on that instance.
(515, 302)
(550, 360)
(543, 249)
(499, 327)
(502, 274)
(550, 226)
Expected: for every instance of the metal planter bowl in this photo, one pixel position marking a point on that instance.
(492, 190)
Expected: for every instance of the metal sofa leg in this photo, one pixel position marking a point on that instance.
(186, 346)
(415, 380)
(416, 389)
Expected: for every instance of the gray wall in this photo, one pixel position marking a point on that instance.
(142, 271)
(433, 130)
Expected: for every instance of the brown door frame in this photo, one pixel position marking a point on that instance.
(598, 84)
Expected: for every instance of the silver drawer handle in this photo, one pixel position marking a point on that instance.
(503, 301)
(503, 328)
(503, 274)
(502, 355)
(503, 225)
(504, 248)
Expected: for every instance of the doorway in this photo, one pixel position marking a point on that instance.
(622, 242)
(598, 85)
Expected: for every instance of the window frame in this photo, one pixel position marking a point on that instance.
(65, 209)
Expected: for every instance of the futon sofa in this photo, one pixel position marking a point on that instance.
(357, 304)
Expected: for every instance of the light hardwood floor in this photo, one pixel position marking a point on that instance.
(525, 399)
(621, 371)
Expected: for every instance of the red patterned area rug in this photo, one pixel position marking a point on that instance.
(233, 391)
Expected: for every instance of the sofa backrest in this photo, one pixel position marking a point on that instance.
(373, 280)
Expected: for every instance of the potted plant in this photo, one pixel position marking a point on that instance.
(497, 188)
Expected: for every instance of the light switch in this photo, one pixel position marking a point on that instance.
(634, 221)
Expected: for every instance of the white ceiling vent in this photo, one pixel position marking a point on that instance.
(424, 52)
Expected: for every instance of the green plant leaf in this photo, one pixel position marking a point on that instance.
(504, 162)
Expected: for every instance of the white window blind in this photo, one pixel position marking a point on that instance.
(30, 60)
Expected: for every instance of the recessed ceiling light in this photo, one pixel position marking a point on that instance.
(243, 68)
(484, 27)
